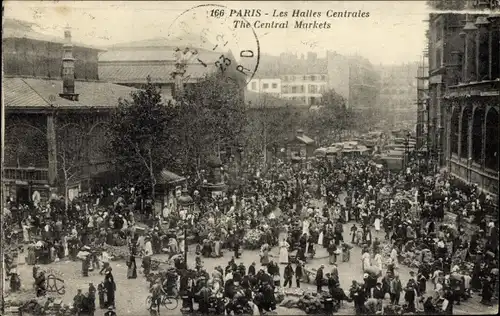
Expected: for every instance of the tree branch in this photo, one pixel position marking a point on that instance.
(138, 152)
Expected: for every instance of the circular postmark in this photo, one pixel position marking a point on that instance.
(209, 42)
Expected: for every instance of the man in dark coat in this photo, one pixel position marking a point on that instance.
(236, 248)
(331, 283)
(92, 292)
(78, 301)
(101, 290)
(288, 275)
(410, 295)
(251, 269)
(110, 286)
(319, 279)
(41, 289)
(298, 273)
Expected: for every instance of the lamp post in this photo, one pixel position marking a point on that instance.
(469, 172)
(407, 149)
(186, 211)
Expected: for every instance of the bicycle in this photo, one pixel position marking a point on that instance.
(168, 301)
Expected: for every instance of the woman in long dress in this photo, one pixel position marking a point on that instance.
(66, 247)
(305, 227)
(377, 261)
(377, 223)
(321, 236)
(264, 254)
(365, 260)
(31, 259)
(394, 258)
(217, 247)
(26, 233)
(284, 252)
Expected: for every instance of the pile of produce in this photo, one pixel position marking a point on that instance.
(310, 303)
(40, 306)
(459, 256)
(279, 294)
(466, 267)
(117, 252)
(386, 252)
(414, 257)
(202, 228)
(294, 292)
(252, 239)
(290, 302)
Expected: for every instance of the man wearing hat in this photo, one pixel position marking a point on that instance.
(78, 301)
(110, 311)
(110, 286)
(299, 273)
(410, 292)
(86, 262)
(319, 278)
(148, 252)
(251, 269)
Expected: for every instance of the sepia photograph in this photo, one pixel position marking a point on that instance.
(250, 158)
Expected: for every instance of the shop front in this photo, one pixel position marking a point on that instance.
(168, 189)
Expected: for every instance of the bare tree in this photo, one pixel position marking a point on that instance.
(70, 155)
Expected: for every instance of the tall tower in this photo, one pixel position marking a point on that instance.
(68, 68)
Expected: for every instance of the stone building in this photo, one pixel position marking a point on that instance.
(464, 85)
(56, 111)
(398, 91)
(130, 64)
(355, 78)
(299, 79)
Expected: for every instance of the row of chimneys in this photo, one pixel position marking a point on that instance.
(481, 58)
(68, 68)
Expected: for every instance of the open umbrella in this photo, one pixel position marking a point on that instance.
(82, 255)
(373, 270)
(177, 256)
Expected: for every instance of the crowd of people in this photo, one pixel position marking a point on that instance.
(298, 209)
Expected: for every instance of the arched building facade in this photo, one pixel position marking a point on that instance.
(464, 84)
(472, 135)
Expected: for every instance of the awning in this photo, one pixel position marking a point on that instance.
(168, 177)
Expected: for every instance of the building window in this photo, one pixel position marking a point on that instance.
(275, 86)
(313, 78)
(313, 101)
(437, 58)
(439, 31)
(254, 85)
(285, 78)
(284, 88)
(265, 85)
(294, 89)
(302, 89)
(323, 78)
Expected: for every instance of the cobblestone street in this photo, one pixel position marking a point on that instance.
(132, 293)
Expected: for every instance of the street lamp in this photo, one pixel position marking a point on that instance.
(186, 205)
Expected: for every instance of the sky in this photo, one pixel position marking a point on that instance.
(394, 32)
